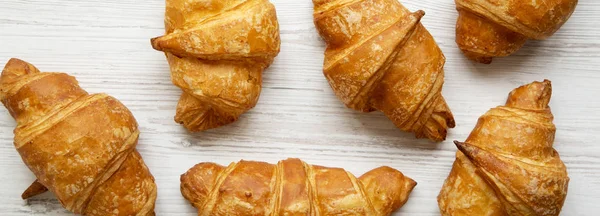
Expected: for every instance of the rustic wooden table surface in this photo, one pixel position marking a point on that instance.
(105, 44)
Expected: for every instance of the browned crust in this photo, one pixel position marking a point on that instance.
(293, 187)
(217, 51)
(80, 147)
(379, 57)
(488, 28)
(508, 166)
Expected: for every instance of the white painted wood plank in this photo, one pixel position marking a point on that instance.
(105, 44)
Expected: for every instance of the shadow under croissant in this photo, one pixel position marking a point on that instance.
(234, 131)
(509, 64)
(44, 203)
(376, 124)
(373, 125)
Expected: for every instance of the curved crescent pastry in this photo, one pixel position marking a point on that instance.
(217, 51)
(508, 166)
(494, 28)
(79, 146)
(379, 57)
(293, 187)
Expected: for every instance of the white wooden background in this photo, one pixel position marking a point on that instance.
(106, 45)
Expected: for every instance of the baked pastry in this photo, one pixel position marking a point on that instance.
(489, 28)
(508, 166)
(293, 187)
(380, 57)
(217, 51)
(79, 146)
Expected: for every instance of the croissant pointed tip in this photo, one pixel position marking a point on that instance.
(469, 150)
(544, 83)
(420, 13)
(535, 95)
(14, 69)
(461, 146)
(155, 43)
(547, 88)
(451, 122)
(14, 61)
(11, 60)
(411, 182)
(457, 143)
(36, 188)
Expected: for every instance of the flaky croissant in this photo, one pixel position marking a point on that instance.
(494, 28)
(293, 187)
(217, 51)
(79, 146)
(508, 166)
(379, 57)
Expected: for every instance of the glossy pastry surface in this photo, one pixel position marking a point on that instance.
(495, 28)
(380, 57)
(217, 51)
(80, 146)
(508, 165)
(292, 187)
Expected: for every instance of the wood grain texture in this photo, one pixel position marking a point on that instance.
(105, 44)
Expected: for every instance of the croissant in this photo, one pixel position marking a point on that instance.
(217, 51)
(508, 166)
(79, 146)
(495, 28)
(379, 57)
(293, 187)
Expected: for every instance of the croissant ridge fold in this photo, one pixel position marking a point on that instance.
(80, 146)
(292, 187)
(217, 51)
(380, 57)
(487, 29)
(508, 165)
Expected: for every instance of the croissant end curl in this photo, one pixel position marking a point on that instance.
(293, 187)
(494, 28)
(81, 147)
(217, 51)
(508, 166)
(380, 57)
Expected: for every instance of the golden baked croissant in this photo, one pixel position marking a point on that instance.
(217, 51)
(293, 187)
(508, 166)
(79, 146)
(380, 57)
(496, 28)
